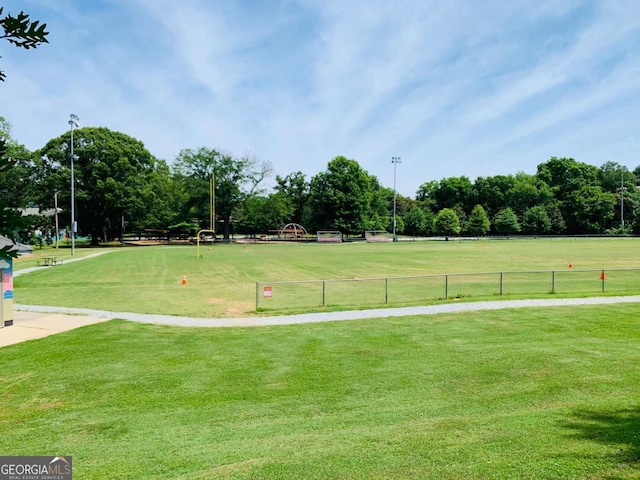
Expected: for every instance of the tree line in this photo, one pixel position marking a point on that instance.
(120, 188)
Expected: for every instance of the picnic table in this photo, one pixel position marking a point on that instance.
(49, 261)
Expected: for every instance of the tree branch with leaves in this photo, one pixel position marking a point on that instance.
(22, 32)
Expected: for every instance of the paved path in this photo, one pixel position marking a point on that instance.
(35, 321)
(37, 324)
(23, 271)
(33, 325)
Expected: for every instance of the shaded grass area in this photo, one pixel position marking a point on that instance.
(531, 393)
(223, 281)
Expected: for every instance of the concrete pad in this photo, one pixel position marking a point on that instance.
(33, 325)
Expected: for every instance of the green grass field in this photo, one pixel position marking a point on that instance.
(512, 394)
(223, 282)
(529, 393)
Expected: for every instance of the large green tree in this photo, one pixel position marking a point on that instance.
(260, 214)
(17, 182)
(492, 192)
(536, 221)
(558, 225)
(15, 186)
(616, 179)
(613, 175)
(506, 222)
(564, 175)
(10, 220)
(381, 207)
(403, 206)
(446, 222)
(567, 177)
(116, 180)
(592, 209)
(526, 192)
(455, 192)
(343, 198)
(426, 194)
(418, 221)
(631, 209)
(295, 188)
(236, 179)
(478, 222)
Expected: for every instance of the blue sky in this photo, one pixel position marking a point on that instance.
(453, 87)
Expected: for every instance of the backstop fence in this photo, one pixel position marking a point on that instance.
(363, 292)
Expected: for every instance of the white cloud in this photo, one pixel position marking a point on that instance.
(453, 87)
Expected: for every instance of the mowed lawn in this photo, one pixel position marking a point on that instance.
(512, 394)
(223, 282)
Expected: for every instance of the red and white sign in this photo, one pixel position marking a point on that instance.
(267, 292)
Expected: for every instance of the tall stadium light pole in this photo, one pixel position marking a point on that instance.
(212, 204)
(395, 161)
(622, 198)
(73, 122)
(55, 204)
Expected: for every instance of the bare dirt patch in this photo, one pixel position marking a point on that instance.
(239, 308)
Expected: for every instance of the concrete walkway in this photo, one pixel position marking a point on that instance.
(35, 321)
(24, 271)
(37, 324)
(33, 325)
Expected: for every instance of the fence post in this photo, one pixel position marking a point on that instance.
(553, 281)
(602, 277)
(446, 287)
(386, 290)
(323, 293)
(500, 283)
(257, 294)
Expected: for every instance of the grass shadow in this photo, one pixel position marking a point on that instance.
(619, 430)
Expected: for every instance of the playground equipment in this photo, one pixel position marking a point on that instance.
(293, 230)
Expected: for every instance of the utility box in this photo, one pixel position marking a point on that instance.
(6, 292)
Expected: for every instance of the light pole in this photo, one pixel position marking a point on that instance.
(622, 197)
(55, 204)
(73, 122)
(395, 161)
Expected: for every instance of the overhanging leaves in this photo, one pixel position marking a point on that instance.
(22, 32)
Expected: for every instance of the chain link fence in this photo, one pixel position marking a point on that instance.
(364, 292)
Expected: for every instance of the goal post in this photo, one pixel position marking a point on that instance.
(200, 232)
(378, 236)
(329, 236)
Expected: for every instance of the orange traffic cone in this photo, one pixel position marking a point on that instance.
(570, 264)
(184, 279)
